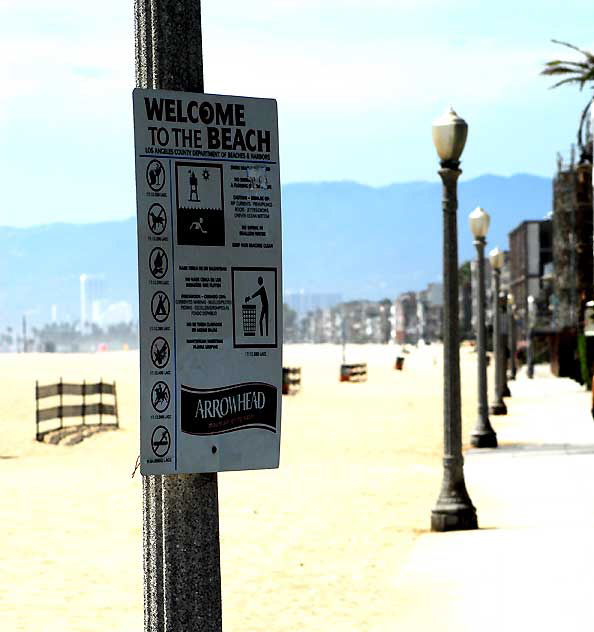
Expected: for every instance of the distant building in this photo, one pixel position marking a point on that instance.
(92, 290)
(430, 312)
(531, 250)
(406, 327)
(304, 302)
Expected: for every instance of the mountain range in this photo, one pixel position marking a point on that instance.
(338, 237)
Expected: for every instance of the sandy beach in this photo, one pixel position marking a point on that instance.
(316, 545)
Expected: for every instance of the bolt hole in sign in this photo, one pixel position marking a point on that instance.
(210, 281)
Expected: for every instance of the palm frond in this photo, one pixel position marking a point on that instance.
(586, 53)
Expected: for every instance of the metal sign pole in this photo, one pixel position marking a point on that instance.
(181, 519)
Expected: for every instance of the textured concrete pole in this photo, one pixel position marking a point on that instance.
(498, 406)
(182, 552)
(454, 509)
(152, 532)
(483, 436)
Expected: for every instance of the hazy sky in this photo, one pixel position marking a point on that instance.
(358, 84)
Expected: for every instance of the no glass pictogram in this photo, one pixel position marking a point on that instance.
(158, 263)
(157, 219)
(160, 352)
(155, 175)
(160, 441)
(160, 397)
(160, 306)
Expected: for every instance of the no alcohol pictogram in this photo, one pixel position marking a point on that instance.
(160, 306)
(158, 263)
(160, 397)
(157, 219)
(160, 352)
(160, 441)
(155, 175)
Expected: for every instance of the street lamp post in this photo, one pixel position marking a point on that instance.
(505, 392)
(454, 509)
(498, 407)
(483, 436)
(530, 350)
(511, 307)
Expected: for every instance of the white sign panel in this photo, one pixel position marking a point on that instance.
(209, 267)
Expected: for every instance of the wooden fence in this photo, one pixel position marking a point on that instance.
(83, 410)
(353, 372)
(291, 380)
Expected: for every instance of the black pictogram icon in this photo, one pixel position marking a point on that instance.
(160, 441)
(160, 306)
(158, 263)
(193, 187)
(157, 219)
(249, 315)
(160, 397)
(160, 352)
(155, 175)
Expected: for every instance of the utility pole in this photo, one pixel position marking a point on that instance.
(182, 577)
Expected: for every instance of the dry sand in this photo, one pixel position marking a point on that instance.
(315, 545)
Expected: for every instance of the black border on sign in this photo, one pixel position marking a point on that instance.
(254, 346)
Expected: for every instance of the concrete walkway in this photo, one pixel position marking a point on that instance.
(530, 566)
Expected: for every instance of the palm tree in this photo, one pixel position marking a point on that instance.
(582, 73)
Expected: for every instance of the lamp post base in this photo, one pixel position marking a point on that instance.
(455, 517)
(483, 439)
(498, 408)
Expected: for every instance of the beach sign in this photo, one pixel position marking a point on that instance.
(210, 281)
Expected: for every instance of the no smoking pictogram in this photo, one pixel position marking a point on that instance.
(160, 441)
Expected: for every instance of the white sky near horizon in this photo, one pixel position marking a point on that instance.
(358, 86)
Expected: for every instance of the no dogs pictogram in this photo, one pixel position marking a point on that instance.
(157, 219)
(161, 441)
(160, 306)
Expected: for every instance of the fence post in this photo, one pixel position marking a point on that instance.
(61, 413)
(115, 401)
(84, 402)
(36, 410)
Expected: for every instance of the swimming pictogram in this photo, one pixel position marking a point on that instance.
(160, 306)
(158, 263)
(198, 226)
(160, 441)
(160, 397)
(160, 352)
(157, 219)
(155, 175)
(193, 187)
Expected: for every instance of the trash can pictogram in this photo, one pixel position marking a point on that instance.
(248, 315)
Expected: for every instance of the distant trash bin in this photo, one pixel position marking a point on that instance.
(248, 315)
(399, 363)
